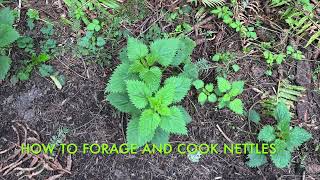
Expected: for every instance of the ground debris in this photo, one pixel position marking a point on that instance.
(16, 161)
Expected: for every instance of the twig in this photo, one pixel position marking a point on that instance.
(224, 135)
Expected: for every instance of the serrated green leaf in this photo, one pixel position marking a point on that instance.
(190, 71)
(165, 50)
(235, 67)
(134, 135)
(184, 51)
(186, 115)
(46, 70)
(122, 102)
(254, 116)
(181, 86)
(281, 159)
(117, 80)
(297, 137)
(236, 106)
(202, 98)
(123, 56)
(198, 84)
(138, 93)
(152, 78)
(148, 123)
(212, 98)
(5, 63)
(160, 137)
(223, 84)
(282, 113)
(174, 123)
(166, 94)
(6, 17)
(8, 35)
(256, 160)
(136, 49)
(209, 87)
(236, 88)
(267, 134)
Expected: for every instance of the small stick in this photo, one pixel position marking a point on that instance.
(224, 135)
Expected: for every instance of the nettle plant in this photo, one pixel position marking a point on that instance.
(137, 87)
(8, 35)
(285, 138)
(225, 93)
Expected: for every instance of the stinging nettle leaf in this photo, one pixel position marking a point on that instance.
(267, 134)
(8, 35)
(160, 137)
(223, 84)
(165, 50)
(236, 106)
(254, 116)
(181, 87)
(134, 135)
(281, 159)
(297, 137)
(138, 93)
(136, 49)
(186, 115)
(282, 113)
(202, 98)
(166, 94)
(198, 84)
(117, 82)
(152, 78)
(174, 123)
(5, 63)
(6, 17)
(185, 49)
(148, 123)
(122, 102)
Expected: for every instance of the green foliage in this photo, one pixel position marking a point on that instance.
(206, 92)
(135, 87)
(287, 93)
(299, 15)
(25, 72)
(224, 92)
(59, 138)
(5, 63)
(33, 14)
(279, 58)
(8, 35)
(223, 57)
(286, 138)
(26, 43)
(94, 25)
(90, 44)
(224, 13)
(254, 116)
(48, 71)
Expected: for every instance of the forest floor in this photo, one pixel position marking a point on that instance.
(81, 107)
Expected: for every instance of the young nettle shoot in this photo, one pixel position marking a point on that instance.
(285, 137)
(206, 92)
(225, 93)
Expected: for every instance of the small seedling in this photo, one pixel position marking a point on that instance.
(285, 138)
(206, 92)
